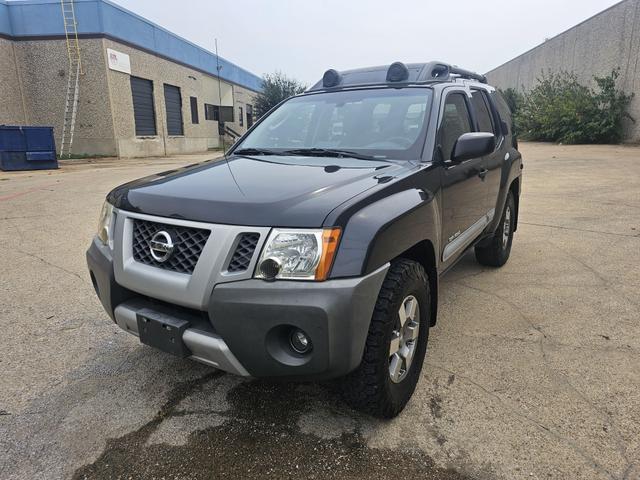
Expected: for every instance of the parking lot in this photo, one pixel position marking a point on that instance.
(533, 370)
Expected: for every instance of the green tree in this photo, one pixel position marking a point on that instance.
(275, 88)
(514, 100)
(561, 109)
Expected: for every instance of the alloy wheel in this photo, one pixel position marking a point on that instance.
(404, 339)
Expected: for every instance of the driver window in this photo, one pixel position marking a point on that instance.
(455, 122)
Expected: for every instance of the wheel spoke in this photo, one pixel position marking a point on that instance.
(402, 313)
(395, 367)
(411, 332)
(412, 307)
(406, 353)
(394, 346)
(404, 339)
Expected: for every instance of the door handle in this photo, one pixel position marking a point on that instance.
(483, 173)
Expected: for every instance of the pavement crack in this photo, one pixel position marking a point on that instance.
(586, 230)
(33, 255)
(512, 410)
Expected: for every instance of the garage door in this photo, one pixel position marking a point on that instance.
(173, 103)
(143, 110)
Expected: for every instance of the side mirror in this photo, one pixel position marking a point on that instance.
(473, 145)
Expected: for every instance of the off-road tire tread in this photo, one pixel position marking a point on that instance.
(493, 255)
(364, 388)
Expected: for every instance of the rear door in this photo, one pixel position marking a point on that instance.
(463, 190)
(486, 122)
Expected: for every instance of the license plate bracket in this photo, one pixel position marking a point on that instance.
(162, 331)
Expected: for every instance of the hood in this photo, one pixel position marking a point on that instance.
(276, 191)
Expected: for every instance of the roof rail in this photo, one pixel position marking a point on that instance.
(462, 73)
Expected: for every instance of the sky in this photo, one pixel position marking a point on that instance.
(303, 38)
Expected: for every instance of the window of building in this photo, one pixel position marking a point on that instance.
(217, 113)
(240, 116)
(249, 116)
(226, 114)
(455, 122)
(144, 112)
(173, 106)
(194, 110)
(485, 122)
(211, 112)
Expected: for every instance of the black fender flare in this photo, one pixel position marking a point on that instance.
(406, 223)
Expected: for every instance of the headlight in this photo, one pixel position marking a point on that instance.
(298, 254)
(105, 225)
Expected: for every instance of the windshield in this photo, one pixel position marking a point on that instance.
(385, 123)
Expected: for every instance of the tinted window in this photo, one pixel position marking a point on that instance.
(226, 114)
(384, 122)
(211, 112)
(503, 110)
(249, 116)
(455, 122)
(194, 110)
(240, 116)
(485, 122)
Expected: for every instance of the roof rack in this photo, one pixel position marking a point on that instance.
(397, 73)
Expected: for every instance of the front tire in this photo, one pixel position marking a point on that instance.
(497, 251)
(396, 344)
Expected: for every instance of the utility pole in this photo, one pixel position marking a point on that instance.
(220, 122)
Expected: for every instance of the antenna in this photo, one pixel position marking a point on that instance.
(218, 68)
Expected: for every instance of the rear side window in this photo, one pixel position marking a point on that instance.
(503, 110)
(483, 114)
(455, 122)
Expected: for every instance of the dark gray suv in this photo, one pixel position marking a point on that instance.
(313, 249)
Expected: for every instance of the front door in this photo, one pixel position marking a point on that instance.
(463, 189)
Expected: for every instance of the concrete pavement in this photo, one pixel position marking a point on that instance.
(533, 370)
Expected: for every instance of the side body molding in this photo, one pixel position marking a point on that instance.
(384, 229)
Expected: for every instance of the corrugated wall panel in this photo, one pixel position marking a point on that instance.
(173, 104)
(143, 109)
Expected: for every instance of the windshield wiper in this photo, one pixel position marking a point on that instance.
(254, 151)
(329, 152)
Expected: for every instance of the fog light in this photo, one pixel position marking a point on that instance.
(299, 341)
(270, 268)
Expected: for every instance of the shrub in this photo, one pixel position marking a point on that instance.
(275, 88)
(560, 109)
(514, 100)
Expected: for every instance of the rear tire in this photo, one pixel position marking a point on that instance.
(396, 344)
(496, 252)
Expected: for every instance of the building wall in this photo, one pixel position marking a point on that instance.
(43, 69)
(609, 40)
(33, 78)
(12, 109)
(192, 83)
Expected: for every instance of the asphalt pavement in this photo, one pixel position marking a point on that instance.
(533, 370)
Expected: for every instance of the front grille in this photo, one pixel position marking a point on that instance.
(188, 242)
(243, 254)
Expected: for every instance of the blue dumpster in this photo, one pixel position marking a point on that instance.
(27, 148)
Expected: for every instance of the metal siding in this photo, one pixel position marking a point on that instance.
(143, 108)
(173, 105)
(5, 21)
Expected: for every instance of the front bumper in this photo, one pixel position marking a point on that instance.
(245, 328)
